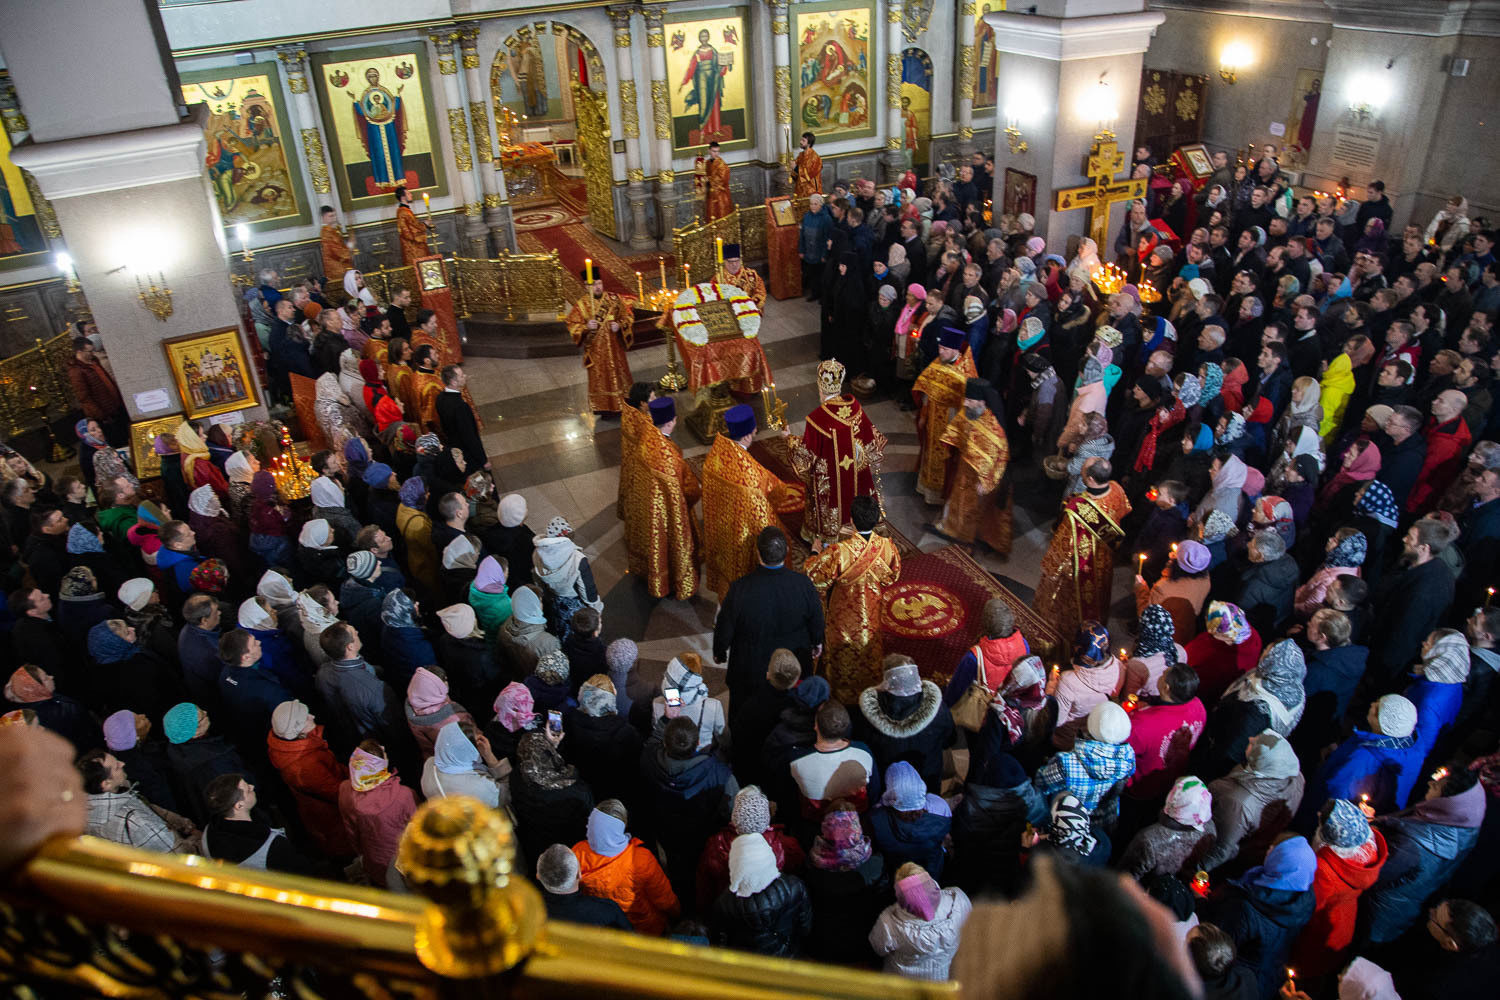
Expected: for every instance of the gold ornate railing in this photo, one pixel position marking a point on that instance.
(34, 385)
(528, 284)
(694, 243)
(92, 917)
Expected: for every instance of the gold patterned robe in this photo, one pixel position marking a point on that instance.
(398, 380)
(634, 423)
(1078, 569)
(851, 575)
(423, 389)
(717, 201)
(604, 349)
(807, 174)
(837, 459)
(939, 391)
(376, 349)
(749, 281)
(740, 497)
(413, 235)
(337, 257)
(660, 534)
(980, 455)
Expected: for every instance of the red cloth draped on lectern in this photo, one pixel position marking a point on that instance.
(432, 282)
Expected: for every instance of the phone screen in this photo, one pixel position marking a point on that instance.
(554, 721)
(673, 696)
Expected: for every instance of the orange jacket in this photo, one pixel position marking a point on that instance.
(634, 880)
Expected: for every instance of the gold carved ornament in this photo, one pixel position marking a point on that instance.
(666, 176)
(1187, 105)
(630, 116)
(473, 208)
(493, 201)
(893, 82)
(660, 109)
(598, 168)
(966, 131)
(893, 11)
(1154, 100)
(655, 38)
(622, 37)
(970, 10)
(779, 25)
(893, 142)
(471, 59)
(312, 147)
(635, 175)
(15, 122)
(296, 81)
(784, 94)
(966, 71)
(478, 117)
(45, 214)
(459, 132)
(447, 65)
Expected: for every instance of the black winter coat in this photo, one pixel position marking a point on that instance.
(914, 728)
(1264, 923)
(774, 921)
(766, 610)
(987, 828)
(845, 907)
(473, 673)
(607, 752)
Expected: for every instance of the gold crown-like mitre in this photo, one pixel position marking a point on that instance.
(830, 378)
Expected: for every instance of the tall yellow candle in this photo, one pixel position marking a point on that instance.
(640, 287)
(661, 262)
(719, 249)
(588, 271)
(687, 275)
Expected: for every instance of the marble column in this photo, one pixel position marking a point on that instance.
(781, 58)
(306, 122)
(450, 104)
(661, 112)
(491, 181)
(894, 157)
(636, 193)
(967, 11)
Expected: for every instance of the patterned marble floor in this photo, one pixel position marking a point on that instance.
(544, 444)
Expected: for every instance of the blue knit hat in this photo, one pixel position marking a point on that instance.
(180, 722)
(377, 475)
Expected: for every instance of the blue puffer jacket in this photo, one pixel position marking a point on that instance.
(1437, 707)
(1427, 844)
(1383, 767)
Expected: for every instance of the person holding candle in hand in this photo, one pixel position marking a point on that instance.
(409, 229)
(602, 322)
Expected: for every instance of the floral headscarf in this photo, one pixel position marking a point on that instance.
(82, 541)
(1217, 527)
(1191, 390)
(1225, 619)
(1070, 825)
(413, 492)
(514, 708)
(841, 846)
(1189, 803)
(367, 771)
(1348, 551)
(1213, 383)
(398, 611)
(1233, 430)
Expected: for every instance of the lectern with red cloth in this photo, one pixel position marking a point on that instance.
(432, 283)
(783, 229)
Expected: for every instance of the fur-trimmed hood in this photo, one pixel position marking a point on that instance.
(930, 700)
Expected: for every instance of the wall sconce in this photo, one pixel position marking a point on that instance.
(156, 300)
(242, 231)
(1368, 93)
(65, 265)
(1235, 57)
(1013, 139)
(1098, 104)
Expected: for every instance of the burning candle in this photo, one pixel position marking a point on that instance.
(1174, 550)
(719, 249)
(1200, 883)
(1489, 595)
(1291, 976)
(426, 199)
(661, 262)
(640, 287)
(687, 275)
(1440, 774)
(1130, 702)
(1056, 671)
(1122, 654)
(1142, 557)
(588, 271)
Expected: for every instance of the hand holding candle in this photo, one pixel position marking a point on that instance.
(1365, 807)
(1142, 557)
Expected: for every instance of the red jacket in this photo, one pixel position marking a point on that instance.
(309, 769)
(713, 866)
(1162, 736)
(1219, 664)
(1446, 445)
(375, 820)
(95, 390)
(1336, 888)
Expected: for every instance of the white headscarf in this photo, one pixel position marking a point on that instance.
(329, 390)
(252, 615)
(460, 554)
(205, 501)
(327, 492)
(365, 296)
(241, 467)
(276, 589)
(316, 534)
(313, 615)
(752, 864)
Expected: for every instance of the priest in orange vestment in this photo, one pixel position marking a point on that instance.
(602, 322)
(939, 392)
(807, 172)
(851, 575)
(660, 536)
(410, 230)
(746, 279)
(740, 497)
(422, 388)
(979, 455)
(1078, 569)
(838, 458)
(338, 257)
(717, 202)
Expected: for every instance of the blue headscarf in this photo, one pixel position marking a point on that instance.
(1092, 642)
(413, 492)
(1378, 504)
(106, 647)
(1213, 383)
(1290, 865)
(1205, 439)
(398, 611)
(357, 456)
(1349, 552)
(377, 475)
(82, 541)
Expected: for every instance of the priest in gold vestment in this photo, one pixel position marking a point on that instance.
(807, 172)
(746, 279)
(660, 536)
(1078, 569)
(939, 392)
(411, 230)
(740, 497)
(337, 255)
(422, 388)
(838, 458)
(850, 575)
(635, 420)
(601, 321)
(979, 455)
(717, 201)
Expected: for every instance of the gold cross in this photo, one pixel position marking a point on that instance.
(1104, 160)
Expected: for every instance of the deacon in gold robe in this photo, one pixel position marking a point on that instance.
(410, 230)
(422, 388)
(717, 201)
(851, 575)
(398, 372)
(740, 497)
(338, 257)
(807, 172)
(635, 420)
(979, 455)
(1078, 569)
(602, 322)
(939, 392)
(660, 535)
(377, 348)
(838, 458)
(746, 279)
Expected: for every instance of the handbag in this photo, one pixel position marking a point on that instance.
(969, 711)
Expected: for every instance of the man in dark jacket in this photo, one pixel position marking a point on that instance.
(460, 427)
(1401, 464)
(198, 650)
(35, 637)
(769, 608)
(1411, 603)
(249, 693)
(1457, 957)
(46, 550)
(233, 836)
(752, 721)
(362, 706)
(557, 874)
(685, 789)
(287, 347)
(1269, 583)
(904, 719)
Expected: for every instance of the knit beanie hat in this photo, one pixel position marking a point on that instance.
(363, 565)
(1343, 824)
(288, 719)
(180, 722)
(1109, 723)
(620, 656)
(136, 594)
(512, 510)
(119, 730)
(1396, 715)
(752, 811)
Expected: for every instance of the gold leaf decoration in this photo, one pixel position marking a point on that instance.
(1154, 99)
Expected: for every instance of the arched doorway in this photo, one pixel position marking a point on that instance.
(916, 107)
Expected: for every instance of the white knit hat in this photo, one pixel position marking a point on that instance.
(1109, 722)
(512, 510)
(1396, 715)
(136, 594)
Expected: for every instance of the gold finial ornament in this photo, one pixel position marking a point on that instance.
(461, 855)
(830, 378)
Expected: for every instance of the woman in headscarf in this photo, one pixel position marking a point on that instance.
(524, 638)
(1268, 908)
(1070, 836)
(1372, 240)
(460, 567)
(1268, 697)
(1227, 481)
(1019, 723)
(685, 675)
(1304, 410)
(100, 462)
(33, 688)
(762, 911)
(240, 469)
(563, 571)
(198, 468)
(910, 824)
(1093, 440)
(318, 556)
(330, 504)
(1095, 676)
(488, 596)
(515, 716)
(217, 533)
(81, 605)
(602, 743)
(415, 529)
(1437, 691)
(375, 808)
(335, 412)
(352, 382)
(551, 804)
(1302, 440)
(1255, 801)
(1345, 554)
(1179, 839)
(904, 347)
(849, 885)
(462, 763)
(377, 398)
(317, 609)
(270, 522)
(129, 674)
(402, 639)
(1156, 647)
(1361, 464)
(429, 708)
(1226, 649)
(1376, 516)
(548, 682)
(276, 591)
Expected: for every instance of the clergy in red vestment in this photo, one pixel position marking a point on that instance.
(838, 457)
(717, 202)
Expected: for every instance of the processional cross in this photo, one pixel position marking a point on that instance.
(1104, 161)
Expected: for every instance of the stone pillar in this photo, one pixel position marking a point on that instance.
(450, 104)
(967, 11)
(894, 158)
(479, 119)
(305, 121)
(661, 113)
(1061, 81)
(630, 119)
(781, 58)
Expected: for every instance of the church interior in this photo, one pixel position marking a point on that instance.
(166, 163)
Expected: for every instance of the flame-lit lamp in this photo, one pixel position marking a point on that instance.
(1199, 883)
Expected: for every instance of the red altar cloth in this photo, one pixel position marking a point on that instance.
(741, 361)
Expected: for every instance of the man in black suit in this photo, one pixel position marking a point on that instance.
(460, 429)
(396, 313)
(767, 609)
(916, 251)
